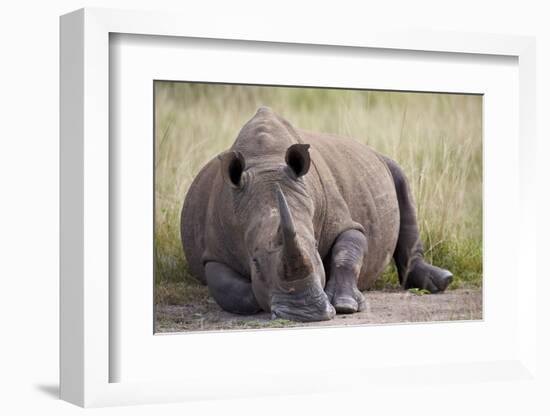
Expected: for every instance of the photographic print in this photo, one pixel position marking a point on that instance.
(280, 207)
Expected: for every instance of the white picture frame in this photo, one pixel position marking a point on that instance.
(86, 352)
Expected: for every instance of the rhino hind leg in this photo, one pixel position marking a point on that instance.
(346, 259)
(230, 290)
(413, 270)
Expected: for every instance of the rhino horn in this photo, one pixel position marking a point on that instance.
(296, 264)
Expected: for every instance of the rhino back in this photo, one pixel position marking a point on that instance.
(359, 189)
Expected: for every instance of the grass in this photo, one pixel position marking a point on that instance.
(436, 138)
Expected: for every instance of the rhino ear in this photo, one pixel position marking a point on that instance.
(232, 166)
(297, 158)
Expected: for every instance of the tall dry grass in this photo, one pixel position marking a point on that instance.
(436, 138)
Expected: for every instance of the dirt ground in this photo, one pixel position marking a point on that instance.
(383, 307)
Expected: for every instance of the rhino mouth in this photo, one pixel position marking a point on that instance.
(305, 304)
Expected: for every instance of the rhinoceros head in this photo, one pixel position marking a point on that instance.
(272, 207)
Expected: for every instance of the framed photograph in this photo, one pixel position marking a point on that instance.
(319, 214)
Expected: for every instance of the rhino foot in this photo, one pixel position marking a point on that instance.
(428, 277)
(346, 299)
(346, 304)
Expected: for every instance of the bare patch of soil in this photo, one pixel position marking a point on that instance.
(383, 307)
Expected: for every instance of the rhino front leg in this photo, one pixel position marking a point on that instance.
(346, 260)
(230, 290)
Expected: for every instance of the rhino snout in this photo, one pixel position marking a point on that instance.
(304, 303)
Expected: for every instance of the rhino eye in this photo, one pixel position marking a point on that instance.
(256, 265)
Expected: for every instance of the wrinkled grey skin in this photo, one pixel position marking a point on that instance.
(299, 223)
